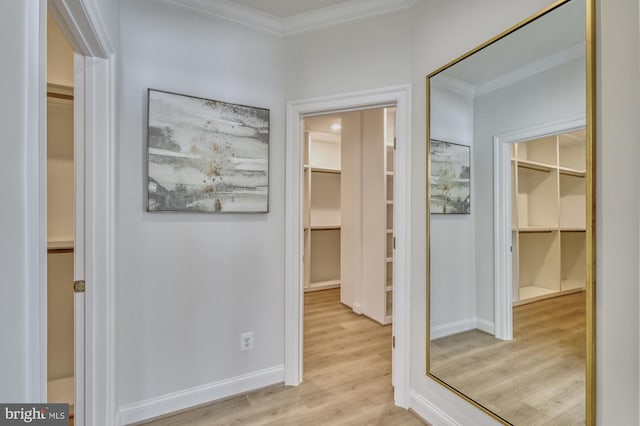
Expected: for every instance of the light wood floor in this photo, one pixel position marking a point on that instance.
(536, 379)
(347, 378)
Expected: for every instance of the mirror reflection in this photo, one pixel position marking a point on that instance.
(507, 223)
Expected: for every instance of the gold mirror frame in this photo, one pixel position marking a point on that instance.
(590, 247)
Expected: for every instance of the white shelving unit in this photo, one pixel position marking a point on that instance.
(389, 151)
(549, 206)
(322, 214)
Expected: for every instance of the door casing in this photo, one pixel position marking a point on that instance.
(400, 96)
(85, 31)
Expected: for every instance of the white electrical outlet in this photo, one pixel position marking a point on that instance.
(246, 341)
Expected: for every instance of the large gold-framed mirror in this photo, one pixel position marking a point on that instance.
(510, 221)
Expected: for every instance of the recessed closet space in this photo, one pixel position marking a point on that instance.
(60, 218)
(549, 204)
(348, 208)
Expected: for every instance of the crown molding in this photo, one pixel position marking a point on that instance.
(235, 13)
(351, 11)
(533, 68)
(332, 16)
(457, 86)
(467, 89)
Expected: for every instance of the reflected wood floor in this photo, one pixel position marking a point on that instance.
(347, 378)
(536, 379)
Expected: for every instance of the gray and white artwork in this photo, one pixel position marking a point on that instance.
(450, 178)
(206, 156)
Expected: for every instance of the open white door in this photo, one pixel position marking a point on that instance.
(79, 246)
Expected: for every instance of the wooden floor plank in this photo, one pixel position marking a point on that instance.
(538, 378)
(347, 378)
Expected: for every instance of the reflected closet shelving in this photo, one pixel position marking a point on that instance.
(549, 204)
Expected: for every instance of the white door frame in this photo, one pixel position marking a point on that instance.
(503, 290)
(95, 83)
(401, 97)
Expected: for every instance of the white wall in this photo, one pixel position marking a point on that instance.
(351, 210)
(617, 206)
(60, 170)
(373, 215)
(370, 54)
(59, 56)
(453, 289)
(189, 284)
(553, 95)
(13, 352)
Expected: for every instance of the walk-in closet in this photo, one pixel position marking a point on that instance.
(348, 208)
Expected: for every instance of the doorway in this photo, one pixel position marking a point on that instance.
(539, 219)
(294, 294)
(93, 109)
(348, 249)
(348, 208)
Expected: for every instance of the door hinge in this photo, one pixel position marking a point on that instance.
(394, 142)
(78, 286)
(394, 243)
(393, 342)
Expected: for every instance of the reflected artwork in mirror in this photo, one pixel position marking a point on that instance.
(510, 284)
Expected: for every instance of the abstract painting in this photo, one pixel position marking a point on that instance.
(450, 178)
(206, 156)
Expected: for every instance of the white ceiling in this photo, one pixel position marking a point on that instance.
(557, 33)
(322, 123)
(286, 8)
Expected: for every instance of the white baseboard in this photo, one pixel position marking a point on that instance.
(429, 412)
(452, 328)
(460, 326)
(486, 326)
(188, 398)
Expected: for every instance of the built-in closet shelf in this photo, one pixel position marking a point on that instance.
(389, 288)
(389, 202)
(534, 165)
(323, 170)
(61, 243)
(572, 285)
(388, 259)
(322, 211)
(529, 292)
(548, 215)
(572, 172)
(541, 229)
(389, 173)
(389, 231)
